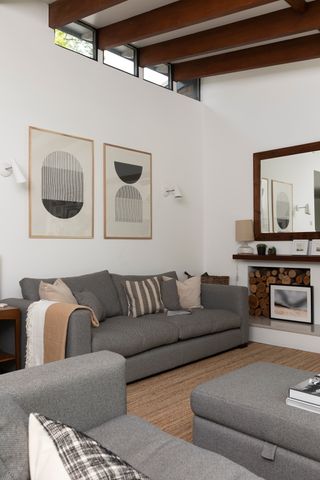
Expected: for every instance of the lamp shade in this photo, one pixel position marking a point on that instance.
(244, 231)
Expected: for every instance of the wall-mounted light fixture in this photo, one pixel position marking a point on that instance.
(12, 168)
(175, 191)
(306, 208)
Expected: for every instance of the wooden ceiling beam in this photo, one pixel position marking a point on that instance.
(62, 12)
(288, 51)
(253, 30)
(170, 17)
(298, 5)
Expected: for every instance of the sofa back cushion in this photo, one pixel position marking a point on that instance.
(119, 284)
(99, 283)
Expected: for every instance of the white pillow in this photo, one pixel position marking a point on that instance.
(56, 292)
(59, 452)
(189, 293)
(44, 460)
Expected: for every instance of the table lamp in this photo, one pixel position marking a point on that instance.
(244, 234)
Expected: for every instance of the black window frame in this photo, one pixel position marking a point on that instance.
(135, 62)
(170, 77)
(94, 41)
(198, 80)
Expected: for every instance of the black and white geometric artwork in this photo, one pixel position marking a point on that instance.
(60, 185)
(127, 193)
(128, 205)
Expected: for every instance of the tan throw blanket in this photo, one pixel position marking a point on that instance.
(56, 327)
(47, 326)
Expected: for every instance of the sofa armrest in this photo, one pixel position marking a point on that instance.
(79, 333)
(83, 391)
(228, 297)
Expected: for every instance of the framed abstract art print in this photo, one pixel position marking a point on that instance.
(60, 185)
(127, 193)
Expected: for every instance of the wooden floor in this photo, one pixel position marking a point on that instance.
(164, 399)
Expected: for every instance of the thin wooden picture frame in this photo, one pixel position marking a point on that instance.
(61, 185)
(127, 174)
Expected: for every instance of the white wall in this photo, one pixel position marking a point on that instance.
(250, 112)
(48, 87)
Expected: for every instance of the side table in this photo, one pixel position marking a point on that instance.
(11, 314)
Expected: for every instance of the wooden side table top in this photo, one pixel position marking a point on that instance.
(6, 313)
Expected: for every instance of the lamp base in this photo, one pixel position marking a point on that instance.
(245, 249)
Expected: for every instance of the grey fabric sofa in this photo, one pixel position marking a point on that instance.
(88, 393)
(151, 343)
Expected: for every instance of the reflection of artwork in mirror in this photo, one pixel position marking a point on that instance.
(264, 205)
(300, 247)
(282, 206)
(315, 247)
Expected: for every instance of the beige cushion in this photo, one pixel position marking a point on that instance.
(189, 292)
(56, 292)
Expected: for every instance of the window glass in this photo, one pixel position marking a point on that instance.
(189, 88)
(124, 58)
(77, 37)
(158, 74)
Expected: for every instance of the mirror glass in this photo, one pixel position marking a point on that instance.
(290, 193)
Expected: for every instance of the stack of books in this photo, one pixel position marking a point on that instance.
(306, 395)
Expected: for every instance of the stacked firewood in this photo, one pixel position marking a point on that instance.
(261, 278)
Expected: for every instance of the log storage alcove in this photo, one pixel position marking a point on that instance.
(261, 277)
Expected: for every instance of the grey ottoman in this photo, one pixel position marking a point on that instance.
(243, 416)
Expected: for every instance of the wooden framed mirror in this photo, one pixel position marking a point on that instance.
(287, 193)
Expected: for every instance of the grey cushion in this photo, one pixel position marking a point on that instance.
(163, 457)
(13, 440)
(90, 300)
(129, 336)
(118, 281)
(204, 322)
(169, 294)
(100, 283)
(252, 399)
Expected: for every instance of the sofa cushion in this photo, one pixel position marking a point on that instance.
(129, 336)
(90, 300)
(57, 291)
(204, 322)
(120, 279)
(143, 297)
(161, 456)
(169, 293)
(58, 451)
(100, 283)
(13, 440)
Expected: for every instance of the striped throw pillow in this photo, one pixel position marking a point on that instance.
(143, 297)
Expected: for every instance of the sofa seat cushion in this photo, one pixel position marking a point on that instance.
(252, 400)
(99, 283)
(129, 336)
(161, 456)
(204, 322)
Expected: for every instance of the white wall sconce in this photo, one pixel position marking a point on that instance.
(175, 191)
(7, 169)
(306, 208)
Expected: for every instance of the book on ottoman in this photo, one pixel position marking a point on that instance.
(309, 407)
(307, 391)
